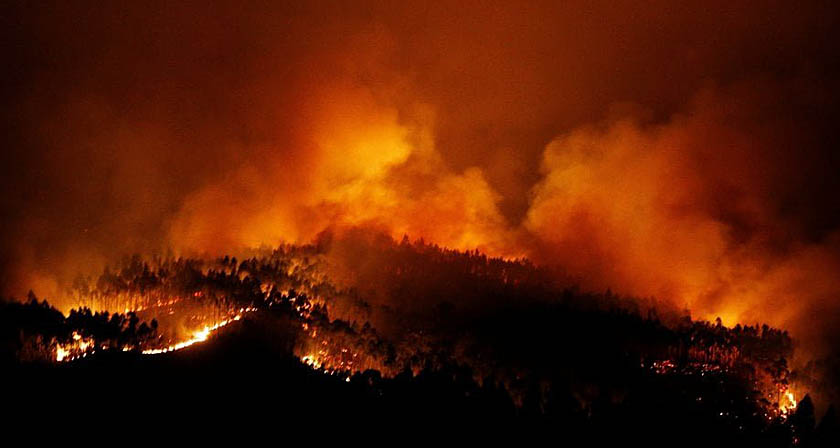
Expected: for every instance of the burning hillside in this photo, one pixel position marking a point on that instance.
(621, 215)
(551, 350)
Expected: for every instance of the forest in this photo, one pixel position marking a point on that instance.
(410, 329)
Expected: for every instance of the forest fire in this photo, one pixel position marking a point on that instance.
(787, 404)
(343, 361)
(197, 336)
(488, 209)
(82, 346)
(78, 348)
(341, 331)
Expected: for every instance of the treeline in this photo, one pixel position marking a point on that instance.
(34, 331)
(359, 304)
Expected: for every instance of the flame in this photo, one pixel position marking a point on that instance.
(666, 231)
(198, 335)
(81, 347)
(312, 361)
(61, 353)
(787, 404)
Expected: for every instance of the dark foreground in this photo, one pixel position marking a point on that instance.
(246, 377)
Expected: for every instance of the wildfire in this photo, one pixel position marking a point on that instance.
(199, 335)
(60, 353)
(786, 400)
(157, 304)
(311, 361)
(787, 404)
(80, 347)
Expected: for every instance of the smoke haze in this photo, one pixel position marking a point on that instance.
(687, 151)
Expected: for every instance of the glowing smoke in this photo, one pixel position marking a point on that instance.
(685, 151)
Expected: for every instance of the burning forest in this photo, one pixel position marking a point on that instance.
(505, 326)
(614, 221)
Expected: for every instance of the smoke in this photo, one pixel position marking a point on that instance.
(706, 209)
(683, 151)
(364, 166)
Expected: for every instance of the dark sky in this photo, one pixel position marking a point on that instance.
(683, 149)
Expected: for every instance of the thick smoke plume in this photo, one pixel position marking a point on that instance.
(684, 151)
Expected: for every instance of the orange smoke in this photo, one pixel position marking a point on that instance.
(684, 211)
(359, 164)
(490, 125)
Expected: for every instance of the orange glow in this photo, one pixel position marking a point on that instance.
(621, 205)
(537, 131)
(198, 336)
(787, 404)
(81, 347)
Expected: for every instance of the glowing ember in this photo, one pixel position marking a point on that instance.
(81, 347)
(787, 404)
(60, 353)
(198, 336)
(78, 348)
(311, 361)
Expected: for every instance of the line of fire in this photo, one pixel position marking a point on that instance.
(598, 353)
(584, 222)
